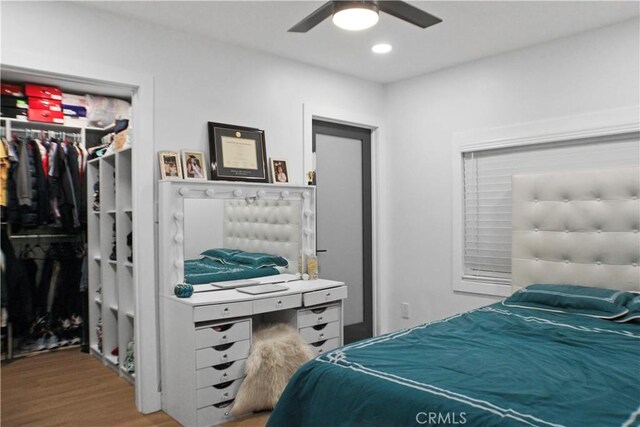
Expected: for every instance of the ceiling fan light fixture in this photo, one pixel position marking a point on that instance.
(356, 16)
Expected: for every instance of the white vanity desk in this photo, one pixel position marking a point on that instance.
(209, 338)
(206, 338)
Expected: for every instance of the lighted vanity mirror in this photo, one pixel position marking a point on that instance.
(252, 224)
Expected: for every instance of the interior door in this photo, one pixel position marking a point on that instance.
(343, 179)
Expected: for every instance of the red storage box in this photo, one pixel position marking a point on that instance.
(7, 89)
(45, 104)
(48, 92)
(45, 116)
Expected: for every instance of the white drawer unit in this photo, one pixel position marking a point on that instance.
(318, 315)
(214, 414)
(223, 353)
(321, 347)
(206, 341)
(277, 303)
(217, 393)
(220, 373)
(222, 311)
(322, 332)
(326, 295)
(217, 334)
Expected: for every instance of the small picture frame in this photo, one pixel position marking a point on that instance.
(170, 167)
(194, 165)
(279, 171)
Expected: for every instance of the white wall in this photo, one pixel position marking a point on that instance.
(588, 72)
(196, 79)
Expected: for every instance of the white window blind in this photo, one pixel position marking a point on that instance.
(487, 192)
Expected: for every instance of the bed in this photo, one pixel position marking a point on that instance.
(513, 362)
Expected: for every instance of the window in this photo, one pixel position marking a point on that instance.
(484, 162)
(487, 193)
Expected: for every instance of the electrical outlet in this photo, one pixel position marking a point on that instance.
(404, 310)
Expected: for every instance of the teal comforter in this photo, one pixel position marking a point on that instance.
(496, 365)
(207, 270)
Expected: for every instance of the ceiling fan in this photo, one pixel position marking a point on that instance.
(358, 15)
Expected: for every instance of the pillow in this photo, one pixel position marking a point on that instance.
(582, 300)
(258, 260)
(222, 255)
(633, 305)
(276, 353)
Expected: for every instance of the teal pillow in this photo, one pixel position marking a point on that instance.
(258, 260)
(222, 255)
(582, 300)
(633, 305)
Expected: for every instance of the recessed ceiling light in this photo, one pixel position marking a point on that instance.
(381, 48)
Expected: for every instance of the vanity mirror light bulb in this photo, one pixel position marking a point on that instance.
(261, 193)
(237, 192)
(305, 195)
(178, 238)
(307, 213)
(178, 216)
(177, 264)
(183, 191)
(284, 194)
(210, 192)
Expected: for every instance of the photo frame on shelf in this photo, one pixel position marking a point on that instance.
(170, 167)
(279, 171)
(194, 166)
(237, 153)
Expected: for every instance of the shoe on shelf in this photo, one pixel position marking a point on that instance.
(41, 344)
(112, 257)
(75, 340)
(76, 320)
(65, 323)
(115, 351)
(52, 342)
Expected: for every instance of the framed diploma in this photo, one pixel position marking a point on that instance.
(237, 153)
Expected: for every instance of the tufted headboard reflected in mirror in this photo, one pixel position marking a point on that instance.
(195, 216)
(580, 228)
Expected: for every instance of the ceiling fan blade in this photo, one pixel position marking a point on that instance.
(319, 15)
(408, 13)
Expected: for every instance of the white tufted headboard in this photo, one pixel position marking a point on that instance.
(577, 228)
(270, 226)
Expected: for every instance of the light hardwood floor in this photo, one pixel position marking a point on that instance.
(70, 388)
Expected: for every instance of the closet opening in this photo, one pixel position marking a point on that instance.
(68, 281)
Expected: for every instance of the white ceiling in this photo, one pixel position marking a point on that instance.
(471, 30)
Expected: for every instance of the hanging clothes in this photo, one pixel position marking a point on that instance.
(27, 192)
(64, 185)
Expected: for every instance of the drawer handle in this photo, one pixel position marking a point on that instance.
(224, 337)
(321, 336)
(319, 318)
(225, 395)
(224, 375)
(226, 310)
(279, 302)
(224, 357)
(226, 414)
(319, 351)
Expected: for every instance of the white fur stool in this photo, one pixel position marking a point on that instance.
(276, 353)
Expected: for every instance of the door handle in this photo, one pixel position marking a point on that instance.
(320, 250)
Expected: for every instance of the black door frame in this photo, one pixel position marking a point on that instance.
(365, 328)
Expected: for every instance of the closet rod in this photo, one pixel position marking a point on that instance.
(44, 236)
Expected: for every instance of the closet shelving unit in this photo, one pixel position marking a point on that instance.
(111, 281)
